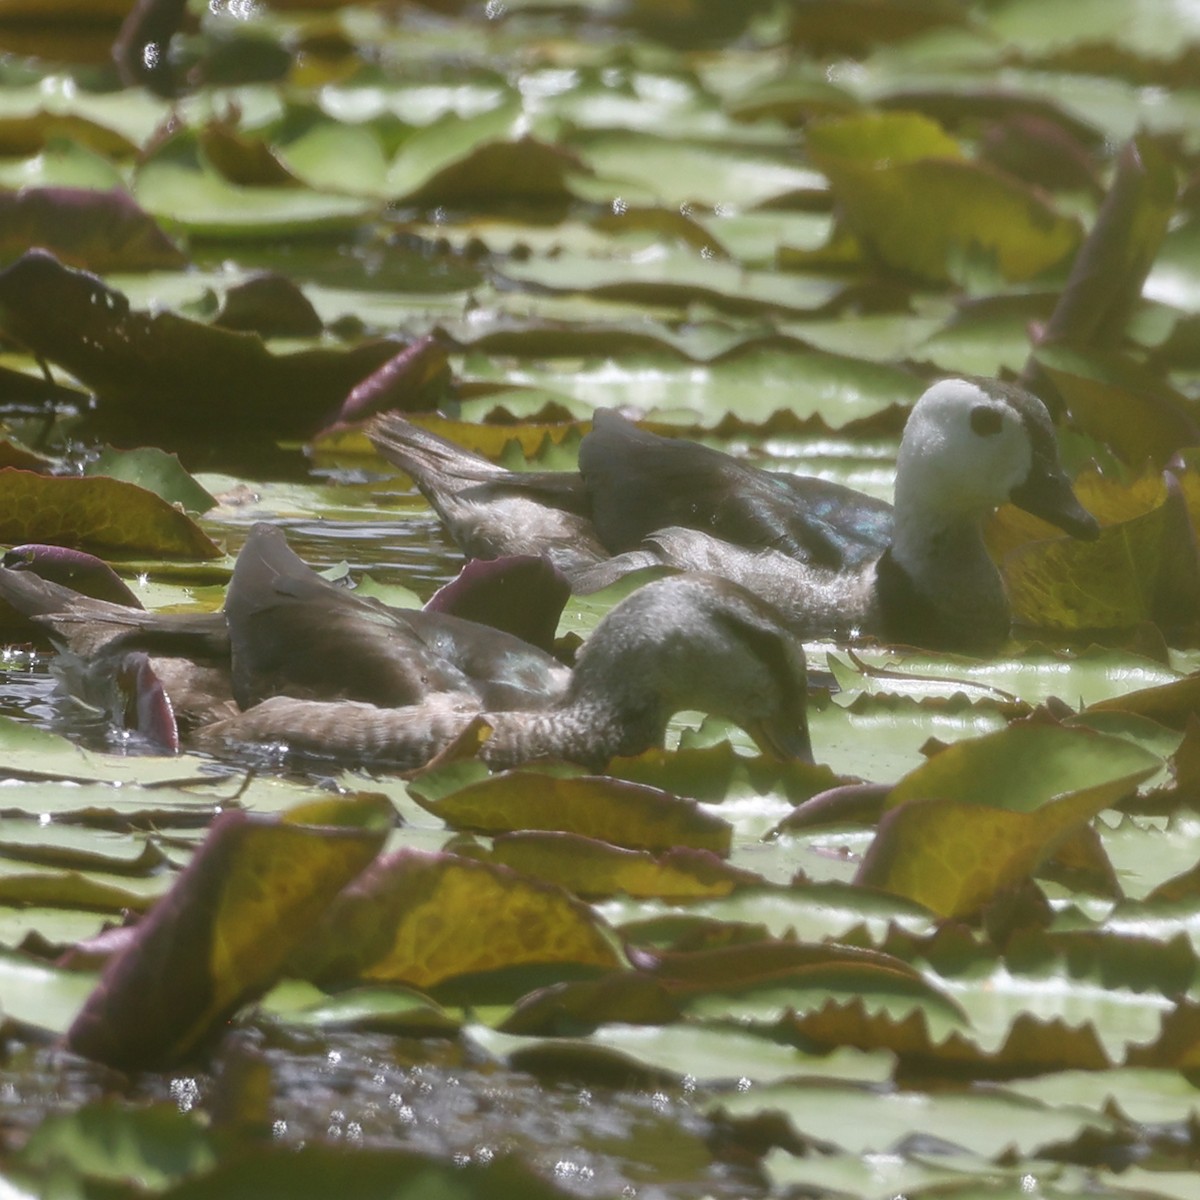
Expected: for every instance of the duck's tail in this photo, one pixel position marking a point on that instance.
(437, 466)
(78, 624)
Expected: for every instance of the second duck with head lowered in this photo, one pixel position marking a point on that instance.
(298, 661)
(836, 562)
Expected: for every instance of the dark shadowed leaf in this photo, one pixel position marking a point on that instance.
(165, 376)
(269, 304)
(416, 377)
(99, 231)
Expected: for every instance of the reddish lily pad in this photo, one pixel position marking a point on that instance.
(164, 378)
(73, 568)
(518, 593)
(100, 231)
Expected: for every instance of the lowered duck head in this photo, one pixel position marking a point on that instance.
(695, 642)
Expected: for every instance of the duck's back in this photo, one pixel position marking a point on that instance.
(293, 633)
(640, 483)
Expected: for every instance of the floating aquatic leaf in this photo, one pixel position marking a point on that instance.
(422, 919)
(519, 594)
(1144, 566)
(475, 159)
(73, 568)
(1135, 411)
(103, 514)
(151, 1147)
(912, 200)
(592, 868)
(982, 815)
(98, 230)
(269, 304)
(223, 386)
(156, 471)
(223, 932)
(625, 814)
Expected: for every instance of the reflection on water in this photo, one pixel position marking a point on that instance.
(592, 1135)
(414, 551)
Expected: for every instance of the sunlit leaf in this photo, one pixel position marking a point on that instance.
(625, 814)
(100, 513)
(423, 918)
(1143, 567)
(155, 471)
(915, 203)
(594, 868)
(220, 937)
(982, 815)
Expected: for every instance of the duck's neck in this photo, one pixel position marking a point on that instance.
(579, 730)
(937, 583)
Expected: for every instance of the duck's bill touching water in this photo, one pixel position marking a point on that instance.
(298, 664)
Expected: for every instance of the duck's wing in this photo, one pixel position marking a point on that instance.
(489, 511)
(815, 601)
(640, 483)
(294, 633)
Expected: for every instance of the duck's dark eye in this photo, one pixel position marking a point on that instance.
(986, 421)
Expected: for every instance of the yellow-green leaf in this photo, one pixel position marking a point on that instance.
(420, 918)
